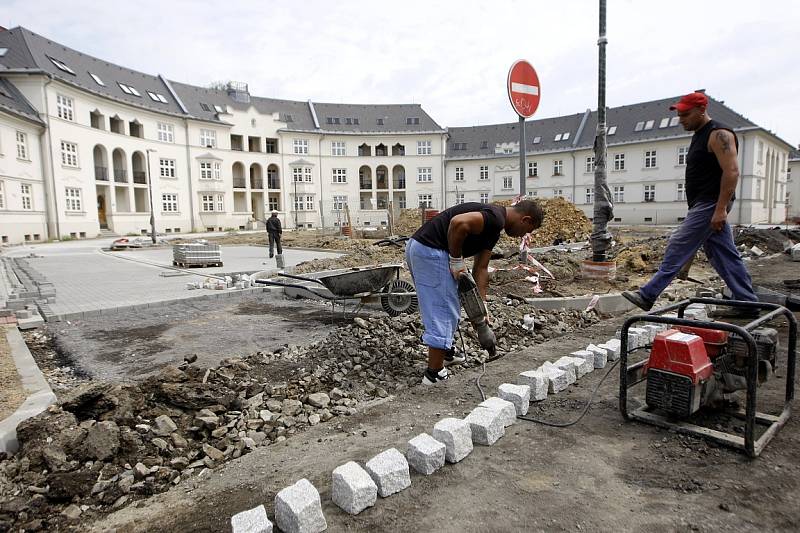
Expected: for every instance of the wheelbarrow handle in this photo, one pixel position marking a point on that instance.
(301, 278)
(293, 286)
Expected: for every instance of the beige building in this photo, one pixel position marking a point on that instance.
(85, 144)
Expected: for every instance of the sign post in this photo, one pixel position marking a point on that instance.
(523, 92)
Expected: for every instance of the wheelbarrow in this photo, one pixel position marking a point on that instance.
(366, 284)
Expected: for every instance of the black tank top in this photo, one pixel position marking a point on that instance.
(703, 173)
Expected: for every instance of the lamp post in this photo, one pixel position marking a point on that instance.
(296, 225)
(150, 194)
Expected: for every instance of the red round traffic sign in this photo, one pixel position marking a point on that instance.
(523, 88)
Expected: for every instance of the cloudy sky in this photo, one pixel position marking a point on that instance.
(451, 56)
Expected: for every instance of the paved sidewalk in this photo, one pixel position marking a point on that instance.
(88, 280)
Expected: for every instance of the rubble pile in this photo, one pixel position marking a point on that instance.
(765, 241)
(408, 222)
(640, 255)
(106, 445)
(358, 252)
(563, 222)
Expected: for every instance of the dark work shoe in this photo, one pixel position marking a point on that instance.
(638, 300)
(453, 357)
(432, 377)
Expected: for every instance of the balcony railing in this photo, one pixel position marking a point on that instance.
(139, 176)
(256, 183)
(239, 183)
(101, 173)
(365, 184)
(273, 183)
(120, 175)
(399, 184)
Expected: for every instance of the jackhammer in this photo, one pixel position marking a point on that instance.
(476, 311)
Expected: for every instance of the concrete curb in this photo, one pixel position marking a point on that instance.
(40, 395)
(608, 303)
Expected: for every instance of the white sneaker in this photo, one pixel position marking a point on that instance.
(432, 377)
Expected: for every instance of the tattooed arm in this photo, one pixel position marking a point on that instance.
(723, 144)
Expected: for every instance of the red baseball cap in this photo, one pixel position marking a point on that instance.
(689, 101)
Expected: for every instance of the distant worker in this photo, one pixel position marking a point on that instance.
(712, 172)
(435, 255)
(274, 232)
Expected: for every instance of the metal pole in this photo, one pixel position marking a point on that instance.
(603, 206)
(150, 194)
(522, 156)
(295, 202)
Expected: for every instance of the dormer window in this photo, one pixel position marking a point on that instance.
(61, 65)
(205, 107)
(379, 122)
(412, 121)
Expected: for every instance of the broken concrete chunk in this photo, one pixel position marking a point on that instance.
(352, 488)
(456, 435)
(298, 509)
(164, 426)
(389, 471)
(508, 412)
(519, 395)
(253, 521)
(486, 424)
(426, 454)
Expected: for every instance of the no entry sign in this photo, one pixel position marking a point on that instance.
(523, 88)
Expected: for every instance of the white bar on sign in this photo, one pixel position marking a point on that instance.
(522, 88)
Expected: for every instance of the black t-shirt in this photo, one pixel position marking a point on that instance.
(434, 232)
(703, 173)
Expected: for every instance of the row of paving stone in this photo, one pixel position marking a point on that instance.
(298, 508)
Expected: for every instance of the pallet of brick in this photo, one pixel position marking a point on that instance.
(196, 254)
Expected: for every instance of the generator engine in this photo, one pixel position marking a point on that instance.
(692, 367)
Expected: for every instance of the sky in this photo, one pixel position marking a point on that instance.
(450, 56)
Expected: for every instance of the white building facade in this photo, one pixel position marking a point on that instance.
(85, 144)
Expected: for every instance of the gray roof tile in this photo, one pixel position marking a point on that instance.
(12, 101)
(374, 118)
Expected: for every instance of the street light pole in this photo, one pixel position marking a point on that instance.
(603, 206)
(150, 194)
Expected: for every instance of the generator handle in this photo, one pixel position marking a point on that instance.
(774, 311)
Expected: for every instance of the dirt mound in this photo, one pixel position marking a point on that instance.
(563, 222)
(773, 240)
(408, 222)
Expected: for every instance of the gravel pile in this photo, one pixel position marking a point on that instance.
(105, 445)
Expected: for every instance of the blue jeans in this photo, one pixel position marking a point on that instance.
(437, 293)
(695, 231)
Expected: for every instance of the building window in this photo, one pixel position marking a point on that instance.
(484, 198)
(338, 148)
(304, 203)
(664, 122)
(97, 79)
(558, 167)
(65, 106)
(612, 130)
(424, 148)
(339, 175)
(167, 167)
(271, 146)
(73, 199)
(424, 174)
(301, 174)
(649, 193)
(673, 121)
(213, 203)
(210, 170)
(484, 172)
(508, 182)
(589, 195)
(460, 198)
(459, 173)
(412, 121)
(69, 154)
(649, 124)
(682, 151)
(619, 161)
(558, 193)
(2, 195)
(533, 169)
(650, 159)
(760, 152)
(537, 139)
(401, 201)
(339, 203)
(169, 202)
(300, 146)
(26, 196)
(680, 191)
(425, 200)
(208, 138)
(619, 194)
(166, 132)
(22, 145)
(758, 189)
(639, 126)
(533, 194)
(590, 164)
(272, 203)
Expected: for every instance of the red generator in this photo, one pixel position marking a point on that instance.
(695, 364)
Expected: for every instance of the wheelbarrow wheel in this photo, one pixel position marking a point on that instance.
(397, 305)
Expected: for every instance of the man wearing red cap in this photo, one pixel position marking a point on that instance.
(712, 172)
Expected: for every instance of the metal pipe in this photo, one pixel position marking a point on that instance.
(521, 155)
(150, 194)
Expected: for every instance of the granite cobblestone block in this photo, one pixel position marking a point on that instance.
(426, 454)
(456, 435)
(519, 395)
(389, 471)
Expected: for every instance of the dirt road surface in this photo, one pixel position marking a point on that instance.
(602, 474)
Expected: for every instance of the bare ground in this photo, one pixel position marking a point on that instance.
(602, 474)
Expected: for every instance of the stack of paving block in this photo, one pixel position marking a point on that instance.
(196, 254)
